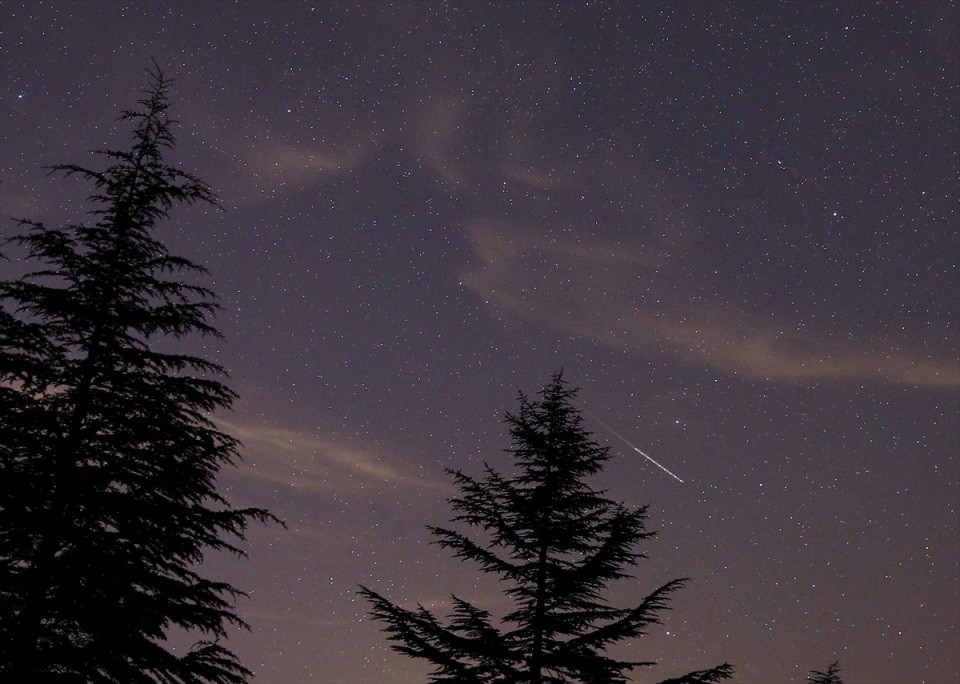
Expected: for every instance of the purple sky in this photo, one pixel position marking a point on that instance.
(733, 224)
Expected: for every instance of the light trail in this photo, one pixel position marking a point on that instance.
(629, 444)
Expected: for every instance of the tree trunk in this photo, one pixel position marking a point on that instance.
(536, 657)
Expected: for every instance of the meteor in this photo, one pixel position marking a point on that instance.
(628, 443)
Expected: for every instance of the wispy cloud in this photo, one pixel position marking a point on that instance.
(17, 204)
(274, 163)
(533, 177)
(273, 616)
(437, 133)
(310, 462)
(625, 299)
(269, 157)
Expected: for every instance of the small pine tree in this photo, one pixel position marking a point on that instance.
(831, 676)
(557, 543)
(107, 457)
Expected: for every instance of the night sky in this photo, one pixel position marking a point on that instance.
(734, 225)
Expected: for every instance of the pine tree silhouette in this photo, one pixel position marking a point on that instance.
(556, 543)
(831, 676)
(108, 458)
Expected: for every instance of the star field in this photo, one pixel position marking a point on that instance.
(734, 225)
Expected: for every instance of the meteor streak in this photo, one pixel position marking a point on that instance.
(627, 442)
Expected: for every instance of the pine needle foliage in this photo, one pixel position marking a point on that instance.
(108, 457)
(831, 676)
(556, 544)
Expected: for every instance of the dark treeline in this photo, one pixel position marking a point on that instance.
(108, 463)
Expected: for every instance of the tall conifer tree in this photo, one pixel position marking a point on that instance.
(556, 543)
(108, 458)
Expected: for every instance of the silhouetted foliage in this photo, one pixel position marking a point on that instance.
(556, 543)
(107, 457)
(711, 676)
(831, 676)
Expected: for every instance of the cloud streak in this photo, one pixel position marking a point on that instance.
(308, 462)
(624, 300)
(277, 163)
(438, 137)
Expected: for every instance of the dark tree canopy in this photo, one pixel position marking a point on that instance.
(556, 543)
(108, 458)
(831, 676)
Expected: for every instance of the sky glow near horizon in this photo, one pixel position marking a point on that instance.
(734, 225)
